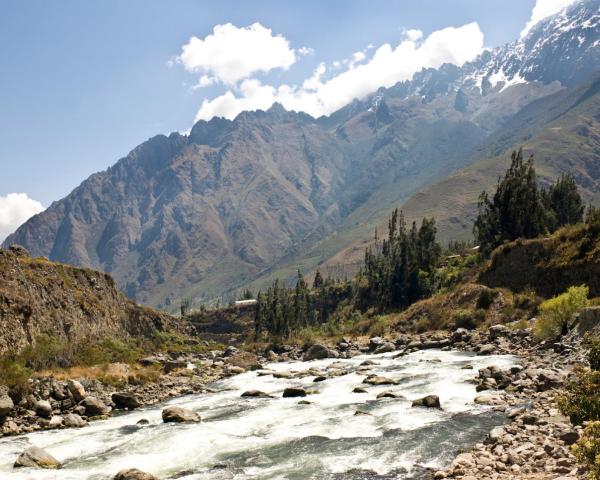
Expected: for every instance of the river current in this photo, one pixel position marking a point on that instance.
(278, 438)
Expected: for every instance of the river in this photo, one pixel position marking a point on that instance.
(278, 438)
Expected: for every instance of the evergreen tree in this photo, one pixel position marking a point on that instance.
(563, 203)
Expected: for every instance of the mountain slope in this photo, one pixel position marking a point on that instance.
(240, 202)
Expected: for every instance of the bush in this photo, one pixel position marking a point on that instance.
(587, 450)
(581, 400)
(486, 298)
(464, 318)
(593, 356)
(557, 313)
(14, 376)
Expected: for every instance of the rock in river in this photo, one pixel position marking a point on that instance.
(36, 457)
(125, 400)
(94, 407)
(133, 474)
(294, 392)
(179, 415)
(377, 380)
(256, 394)
(430, 401)
(317, 352)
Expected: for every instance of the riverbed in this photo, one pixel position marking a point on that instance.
(338, 435)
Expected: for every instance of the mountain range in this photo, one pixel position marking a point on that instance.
(237, 203)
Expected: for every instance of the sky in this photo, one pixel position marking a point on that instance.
(83, 83)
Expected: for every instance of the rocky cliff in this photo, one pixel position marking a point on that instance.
(77, 304)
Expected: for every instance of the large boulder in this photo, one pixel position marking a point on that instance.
(72, 420)
(430, 401)
(174, 414)
(36, 457)
(125, 400)
(43, 408)
(377, 380)
(133, 474)
(6, 405)
(76, 390)
(385, 347)
(317, 352)
(94, 407)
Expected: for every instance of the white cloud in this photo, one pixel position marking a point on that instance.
(413, 34)
(386, 66)
(15, 209)
(306, 51)
(231, 54)
(543, 9)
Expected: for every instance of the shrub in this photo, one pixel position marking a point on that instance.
(593, 356)
(581, 399)
(587, 450)
(485, 298)
(14, 376)
(464, 318)
(557, 313)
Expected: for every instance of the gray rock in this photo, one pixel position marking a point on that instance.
(94, 407)
(317, 352)
(569, 436)
(72, 420)
(125, 400)
(76, 390)
(378, 380)
(256, 394)
(175, 414)
(487, 350)
(56, 421)
(385, 347)
(6, 405)
(36, 457)
(359, 390)
(133, 474)
(430, 401)
(43, 408)
(388, 394)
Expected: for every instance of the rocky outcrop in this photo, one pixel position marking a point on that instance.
(71, 304)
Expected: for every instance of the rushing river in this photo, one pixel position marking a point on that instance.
(277, 438)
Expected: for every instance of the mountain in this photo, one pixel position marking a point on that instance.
(238, 203)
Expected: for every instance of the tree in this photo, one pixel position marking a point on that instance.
(563, 203)
(515, 211)
(557, 313)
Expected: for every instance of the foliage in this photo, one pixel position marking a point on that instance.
(14, 376)
(593, 355)
(486, 298)
(466, 318)
(557, 313)
(587, 450)
(581, 399)
(520, 209)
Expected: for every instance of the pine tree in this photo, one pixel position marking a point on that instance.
(563, 203)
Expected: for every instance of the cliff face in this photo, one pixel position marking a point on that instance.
(76, 304)
(548, 265)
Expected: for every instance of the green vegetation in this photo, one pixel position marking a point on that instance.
(521, 209)
(587, 450)
(556, 314)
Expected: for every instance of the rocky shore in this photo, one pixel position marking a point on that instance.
(534, 443)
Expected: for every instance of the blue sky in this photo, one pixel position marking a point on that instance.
(82, 83)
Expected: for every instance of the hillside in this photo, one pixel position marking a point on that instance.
(238, 203)
(68, 303)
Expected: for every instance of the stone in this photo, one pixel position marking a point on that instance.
(320, 378)
(316, 352)
(359, 390)
(486, 350)
(36, 457)
(43, 408)
(255, 394)
(125, 400)
(94, 407)
(76, 390)
(430, 401)
(6, 405)
(378, 380)
(385, 347)
(388, 394)
(489, 399)
(72, 420)
(133, 474)
(569, 436)
(174, 414)
(291, 392)
(56, 421)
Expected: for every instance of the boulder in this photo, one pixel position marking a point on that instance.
(125, 400)
(94, 407)
(179, 415)
(430, 401)
(375, 342)
(359, 390)
(487, 350)
(385, 347)
(377, 380)
(36, 457)
(72, 420)
(316, 352)
(291, 392)
(256, 394)
(133, 474)
(56, 421)
(76, 390)
(6, 405)
(388, 394)
(489, 399)
(319, 378)
(43, 408)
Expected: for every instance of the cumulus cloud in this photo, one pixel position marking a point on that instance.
(15, 209)
(386, 66)
(543, 9)
(230, 54)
